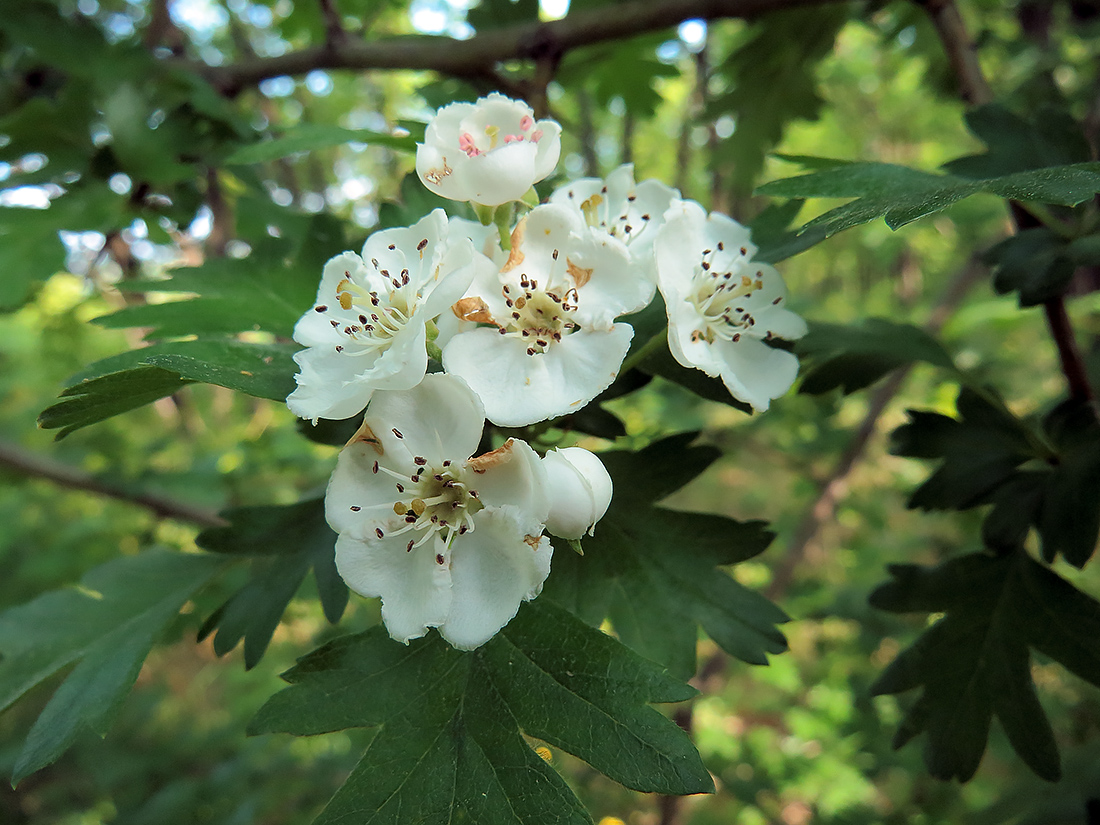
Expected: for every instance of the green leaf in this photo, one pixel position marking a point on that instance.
(654, 571)
(661, 362)
(451, 745)
(974, 663)
(981, 450)
(288, 541)
(97, 399)
(1035, 262)
(268, 290)
(128, 380)
(781, 52)
(855, 356)
(108, 625)
(1049, 137)
(902, 195)
(309, 137)
(492, 14)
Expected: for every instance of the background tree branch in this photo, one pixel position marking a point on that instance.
(477, 56)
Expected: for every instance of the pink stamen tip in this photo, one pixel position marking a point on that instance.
(536, 135)
(512, 138)
(526, 122)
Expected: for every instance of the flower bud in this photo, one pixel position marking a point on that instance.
(580, 491)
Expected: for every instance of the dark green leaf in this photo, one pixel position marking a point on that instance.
(1050, 137)
(661, 362)
(902, 195)
(492, 14)
(108, 625)
(309, 137)
(974, 663)
(288, 541)
(781, 52)
(97, 399)
(855, 356)
(451, 745)
(1035, 262)
(653, 571)
(980, 450)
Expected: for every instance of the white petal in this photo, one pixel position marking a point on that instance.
(440, 418)
(519, 479)
(415, 589)
(359, 500)
(580, 491)
(496, 567)
(754, 372)
(519, 389)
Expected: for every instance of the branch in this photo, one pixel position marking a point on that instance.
(26, 463)
(960, 49)
(976, 91)
(477, 56)
(832, 490)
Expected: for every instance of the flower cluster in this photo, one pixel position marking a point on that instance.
(527, 326)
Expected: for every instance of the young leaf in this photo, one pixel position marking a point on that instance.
(974, 663)
(287, 542)
(653, 571)
(451, 743)
(108, 625)
(855, 356)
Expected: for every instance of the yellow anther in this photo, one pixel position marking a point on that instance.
(521, 302)
(418, 506)
(588, 207)
(746, 280)
(400, 508)
(345, 300)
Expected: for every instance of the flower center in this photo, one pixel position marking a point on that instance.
(380, 319)
(433, 502)
(474, 144)
(539, 317)
(626, 226)
(722, 289)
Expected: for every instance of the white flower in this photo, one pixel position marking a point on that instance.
(722, 306)
(445, 540)
(580, 491)
(367, 329)
(623, 209)
(553, 304)
(489, 152)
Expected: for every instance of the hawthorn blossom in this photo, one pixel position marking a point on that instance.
(489, 152)
(580, 491)
(722, 306)
(623, 209)
(549, 342)
(367, 330)
(446, 540)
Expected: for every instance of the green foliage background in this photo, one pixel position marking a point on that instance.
(300, 167)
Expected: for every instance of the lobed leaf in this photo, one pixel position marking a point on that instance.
(974, 663)
(653, 571)
(287, 542)
(854, 356)
(451, 745)
(108, 626)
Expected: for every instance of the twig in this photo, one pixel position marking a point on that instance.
(477, 56)
(975, 90)
(334, 27)
(960, 50)
(28, 464)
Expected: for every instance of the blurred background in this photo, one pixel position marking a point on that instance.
(710, 109)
